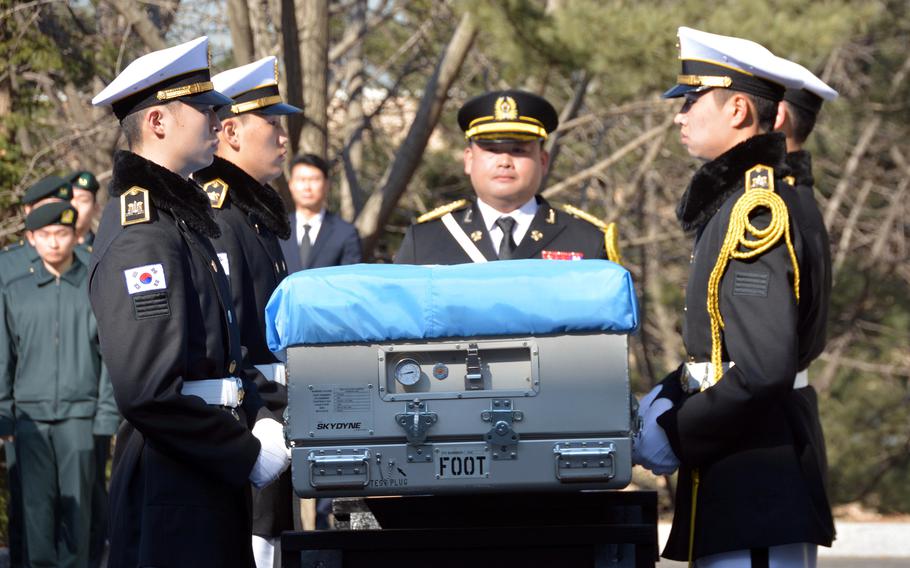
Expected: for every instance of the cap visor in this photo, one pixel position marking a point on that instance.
(678, 91)
(279, 109)
(504, 137)
(213, 98)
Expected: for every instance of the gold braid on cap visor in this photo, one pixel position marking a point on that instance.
(253, 105)
(704, 81)
(506, 127)
(192, 89)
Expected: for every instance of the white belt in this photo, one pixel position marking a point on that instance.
(218, 392)
(699, 376)
(275, 372)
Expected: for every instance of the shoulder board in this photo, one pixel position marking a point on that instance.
(13, 246)
(576, 212)
(217, 190)
(760, 177)
(440, 211)
(135, 207)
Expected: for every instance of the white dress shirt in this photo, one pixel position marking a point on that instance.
(314, 222)
(523, 217)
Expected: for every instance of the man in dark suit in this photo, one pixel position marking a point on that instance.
(506, 161)
(318, 237)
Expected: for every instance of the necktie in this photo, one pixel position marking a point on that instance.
(507, 247)
(305, 246)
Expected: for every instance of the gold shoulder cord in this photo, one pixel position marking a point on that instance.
(759, 193)
(611, 243)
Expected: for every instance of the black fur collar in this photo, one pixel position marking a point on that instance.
(718, 179)
(250, 196)
(167, 190)
(800, 164)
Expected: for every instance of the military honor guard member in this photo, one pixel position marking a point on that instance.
(194, 437)
(251, 217)
(54, 392)
(796, 117)
(739, 417)
(319, 237)
(505, 160)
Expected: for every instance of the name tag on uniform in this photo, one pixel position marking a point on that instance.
(561, 255)
(145, 278)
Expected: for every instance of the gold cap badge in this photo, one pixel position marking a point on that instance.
(505, 109)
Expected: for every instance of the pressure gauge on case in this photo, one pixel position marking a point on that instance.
(407, 372)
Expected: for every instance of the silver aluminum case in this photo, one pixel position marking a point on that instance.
(568, 397)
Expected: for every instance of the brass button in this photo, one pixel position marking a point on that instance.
(232, 366)
(691, 359)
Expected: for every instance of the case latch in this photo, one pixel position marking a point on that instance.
(503, 440)
(416, 422)
(473, 378)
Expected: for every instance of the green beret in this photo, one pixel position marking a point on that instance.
(50, 186)
(56, 213)
(84, 180)
(506, 116)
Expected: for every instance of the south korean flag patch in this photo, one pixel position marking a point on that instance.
(145, 278)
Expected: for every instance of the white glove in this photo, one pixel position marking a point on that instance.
(274, 455)
(650, 447)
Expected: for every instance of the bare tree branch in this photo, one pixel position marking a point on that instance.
(139, 21)
(616, 156)
(381, 203)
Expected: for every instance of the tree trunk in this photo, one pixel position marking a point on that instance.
(379, 206)
(313, 18)
(263, 42)
(241, 32)
(352, 152)
(291, 79)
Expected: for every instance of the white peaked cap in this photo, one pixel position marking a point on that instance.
(239, 80)
(815, 85)
(180, 72)
(254, 88)
(712, 60)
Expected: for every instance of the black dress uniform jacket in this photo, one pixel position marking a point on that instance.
(432, 243)
(252, 218)
(755, 441)
(180, 490)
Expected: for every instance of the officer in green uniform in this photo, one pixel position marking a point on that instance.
(85, 190)
(15, 260)
(505, 159)
(54, 391)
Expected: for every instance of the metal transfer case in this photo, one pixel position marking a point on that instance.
(460, 416)
(503, 377)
